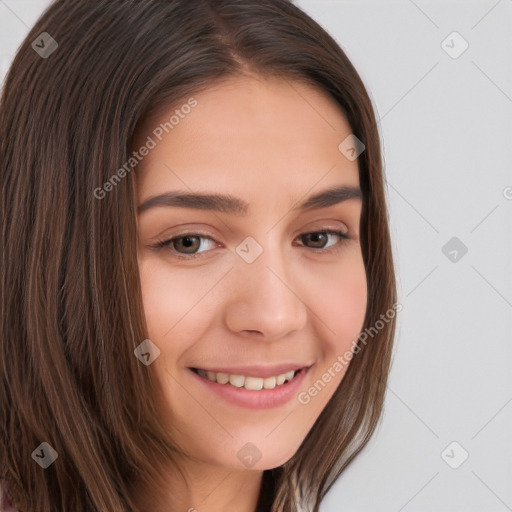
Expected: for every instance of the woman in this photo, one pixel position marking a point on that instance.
(138, 371)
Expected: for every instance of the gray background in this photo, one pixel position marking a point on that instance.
(446, 126)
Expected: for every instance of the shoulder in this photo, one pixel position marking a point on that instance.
(5, 497)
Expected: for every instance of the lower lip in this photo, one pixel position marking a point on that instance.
(252, 399)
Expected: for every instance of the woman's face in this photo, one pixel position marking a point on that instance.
(256, 284)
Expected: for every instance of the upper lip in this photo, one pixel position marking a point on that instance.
(255, 370)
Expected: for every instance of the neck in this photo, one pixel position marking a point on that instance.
(199, 487)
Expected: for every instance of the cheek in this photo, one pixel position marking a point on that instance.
(157, 296)
(168, 297)
(171, 306)
(340, 313)
(342, 301)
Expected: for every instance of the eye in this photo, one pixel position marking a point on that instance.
(319, 238)
(187, 245)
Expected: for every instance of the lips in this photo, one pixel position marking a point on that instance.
(251, 388)
(252, 378)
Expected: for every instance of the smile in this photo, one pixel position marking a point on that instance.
(251, 383)
(264, 388)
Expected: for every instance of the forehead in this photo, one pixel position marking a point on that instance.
(248, 134)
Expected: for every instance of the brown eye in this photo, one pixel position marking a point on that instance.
(189, 244)
(319, 239)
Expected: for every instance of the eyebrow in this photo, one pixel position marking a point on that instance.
(226, 203)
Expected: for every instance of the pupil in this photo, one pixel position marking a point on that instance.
(316, 238)
(188, 241)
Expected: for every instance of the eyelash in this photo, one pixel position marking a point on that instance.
(169, 242)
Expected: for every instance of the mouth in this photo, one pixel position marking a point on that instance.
(248, 382)
(263, 388)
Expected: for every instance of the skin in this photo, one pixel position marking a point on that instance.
(272, 143)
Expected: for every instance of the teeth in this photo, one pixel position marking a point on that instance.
(222, 378)
(251, 383)
(269, 383)
(280, 379)
(236, 380)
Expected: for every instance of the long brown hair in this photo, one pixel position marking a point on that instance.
(71, 307)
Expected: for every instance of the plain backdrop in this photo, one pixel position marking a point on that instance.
(440, 76)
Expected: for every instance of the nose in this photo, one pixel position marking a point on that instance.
(265, 297)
